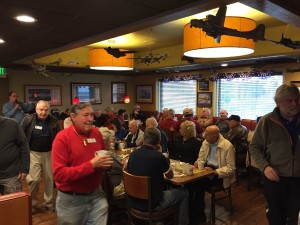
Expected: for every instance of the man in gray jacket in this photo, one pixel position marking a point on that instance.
(14, 156)
(275, 148)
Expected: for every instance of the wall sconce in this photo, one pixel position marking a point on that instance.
(126, 99)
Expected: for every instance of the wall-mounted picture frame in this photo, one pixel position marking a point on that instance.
(204, 85)
(118, 92)
(204, 99)
(144, 93)
(86, 92)
(49, 93)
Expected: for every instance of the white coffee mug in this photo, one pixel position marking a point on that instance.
(201, 165)
(121, 145)
(102, 153)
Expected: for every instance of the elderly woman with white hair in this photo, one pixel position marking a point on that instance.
(186, 148)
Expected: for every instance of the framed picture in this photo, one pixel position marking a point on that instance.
(49, 93)
(118, 92)
(204, 85)
(86, 92)
(144, 93)
(204, 99)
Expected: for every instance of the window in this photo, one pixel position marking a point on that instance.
(248, 97)
(178, 95)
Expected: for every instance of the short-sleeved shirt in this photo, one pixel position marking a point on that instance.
(146, 161)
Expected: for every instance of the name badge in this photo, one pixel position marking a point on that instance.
(91, 140)
(38, 127)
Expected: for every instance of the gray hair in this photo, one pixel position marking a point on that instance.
(151, 122)
(284, 90)
(171, 112)
(151, 136)
(76, 108)
(42, 102)
(189, 128)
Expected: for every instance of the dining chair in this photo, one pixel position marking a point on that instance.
(226, 193)
(139, 187)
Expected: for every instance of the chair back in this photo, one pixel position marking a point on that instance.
(137, 186)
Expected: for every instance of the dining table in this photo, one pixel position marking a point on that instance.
(180, 178)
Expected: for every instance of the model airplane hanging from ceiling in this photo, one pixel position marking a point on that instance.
(151, 58)
(117, 53)
(41, 69)
(287, 42)
(214, 26)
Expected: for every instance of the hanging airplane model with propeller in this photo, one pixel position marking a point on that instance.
(151, 58)
(214, 26)
(287, 42)
(117, 53)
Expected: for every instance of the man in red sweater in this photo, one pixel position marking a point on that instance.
(79, 172)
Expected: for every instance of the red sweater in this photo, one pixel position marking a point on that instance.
(71, 164)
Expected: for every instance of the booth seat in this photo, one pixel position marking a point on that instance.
(15, 209)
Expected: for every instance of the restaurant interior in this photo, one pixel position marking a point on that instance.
(57, 51)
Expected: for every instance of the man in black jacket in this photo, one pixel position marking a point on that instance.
(14, 156)
(40, 130)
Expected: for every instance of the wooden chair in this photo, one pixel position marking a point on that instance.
(226, 194)
(15, 209)
(139, 187)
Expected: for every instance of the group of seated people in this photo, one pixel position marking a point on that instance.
(214, 144)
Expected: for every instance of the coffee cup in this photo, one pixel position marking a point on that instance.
(121, 145)
(102, 153)
(201, 165)
(188, 170)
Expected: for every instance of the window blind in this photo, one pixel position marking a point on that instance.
(178, 95)
(248, 97)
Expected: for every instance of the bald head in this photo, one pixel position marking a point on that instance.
(212, 134)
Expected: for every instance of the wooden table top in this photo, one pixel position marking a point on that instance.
(182, 179)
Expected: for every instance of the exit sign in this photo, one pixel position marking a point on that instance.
(2, 72)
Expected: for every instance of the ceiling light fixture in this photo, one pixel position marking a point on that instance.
(224, 64)
(25, 19)
(197, 44)
(101, 60)
(1, 41)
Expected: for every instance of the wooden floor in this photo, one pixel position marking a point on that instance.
(249, 208)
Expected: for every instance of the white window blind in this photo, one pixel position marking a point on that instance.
(178, 95)
(248, 97)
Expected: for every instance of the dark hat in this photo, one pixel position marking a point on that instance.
(235, 118)
(120, 111)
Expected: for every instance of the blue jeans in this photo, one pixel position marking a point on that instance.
(82, 209)
(178, 196)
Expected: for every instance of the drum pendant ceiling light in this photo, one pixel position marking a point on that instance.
(197, 44)
(101, 60)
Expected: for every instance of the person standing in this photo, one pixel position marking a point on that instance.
(15, 109)
(40, 129)
(79, 171)
(275, 148)
(14, 156)
(149, 161)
